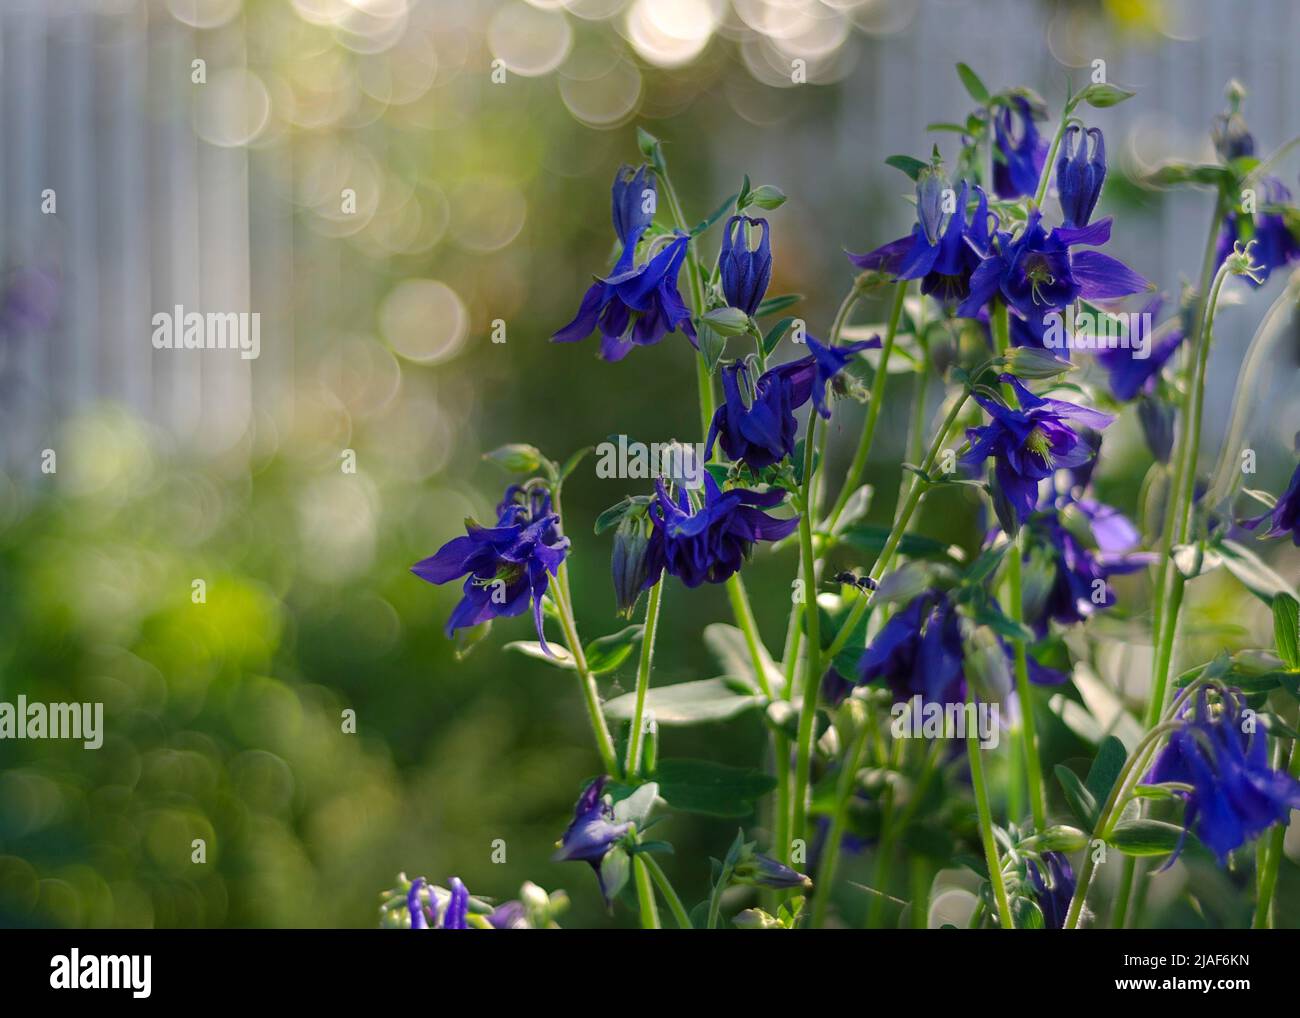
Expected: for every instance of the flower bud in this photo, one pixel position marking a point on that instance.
(986, 665)
(1157, 419)
(1033, 363)
(629, 563)
(745, 271)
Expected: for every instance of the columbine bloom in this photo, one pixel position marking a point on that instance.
(593, 831)
(1079, 174)
(920, 651)
(758, 870)
(635, 305)
(1036, 272)
(757, 425)
(633, 202)
(1030, 444)
(1275, 245)
(508, 565)
(1072, 575)
(1023, 152)
(1129, 375)
(1283, 518)
(745, 271)
(943, 250)
(1053, 884)
(710, 542)
(1236, 795)
(424, 909)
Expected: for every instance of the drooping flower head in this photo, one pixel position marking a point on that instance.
(709, 541)
(593, 831)
(633, 202)
(505, 567)
(1235, 792)
(428, 912)
(921, 651)
(943, 249)
(1275, 245)
(756, 424)
(1036, 273)
(1053, 885)
(1020, 150)
(638, 303)
(1283, 518)
(745, 271)
(1074, 546)
(1080, 174)
(1030, 443)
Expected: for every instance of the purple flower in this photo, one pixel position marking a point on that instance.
(1052, 879)
(745, 272)
(1132, 375)
(593, 831)
(756, 425)
(1078, 566)
(635, 305)
(1031, 443)
(633, 202)
(1036, 273)
(424, 913)
(758, 870)
(509, 915)
(1283, 518)
(1236, 795)
(508, 565)
(1021, 152)
(1275, 245)
(1079, 175)
(942, 257)
(710, 542)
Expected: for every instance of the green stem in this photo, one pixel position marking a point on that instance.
(665, 886)
(599, 727)
(863, 452)
(809, 688)
(831, 853)
(1046, 174)
(636, 737)
(984, 813)
(645, 893)
(715, 899)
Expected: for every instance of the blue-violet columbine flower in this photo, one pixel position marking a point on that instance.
(1283, 518)
(633, 202)
(1053, 883)
(1235, 793)
(1036, 273)
(1080, 173)
(943, 250)
(709, 542)
(1030, 443)
(593, 831)
(1021, 151)
(424, 909)
(745, 271)
(508, 565)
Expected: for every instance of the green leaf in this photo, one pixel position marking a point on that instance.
(1080, 800)
(1173, 174)
(1286, 628)
(571, 464)
(687, 703)
(1250, 569)
(908, 164)
(871, 537)
(974, 87)
(1145, 837)
(714, 216)
(944, 126)
(516, 458)
(636, 805)
(531, 648)
(713, 344)
(729, 646)
(1161, 792)
(701, 786)
(606, 653)
(776, 304)
(1111, 756)
(1100, 95)
(775, 334)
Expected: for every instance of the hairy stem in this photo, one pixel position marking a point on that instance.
(636, 737)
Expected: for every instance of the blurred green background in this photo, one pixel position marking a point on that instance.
(476, 202)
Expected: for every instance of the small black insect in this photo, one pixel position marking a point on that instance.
(861, 582)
